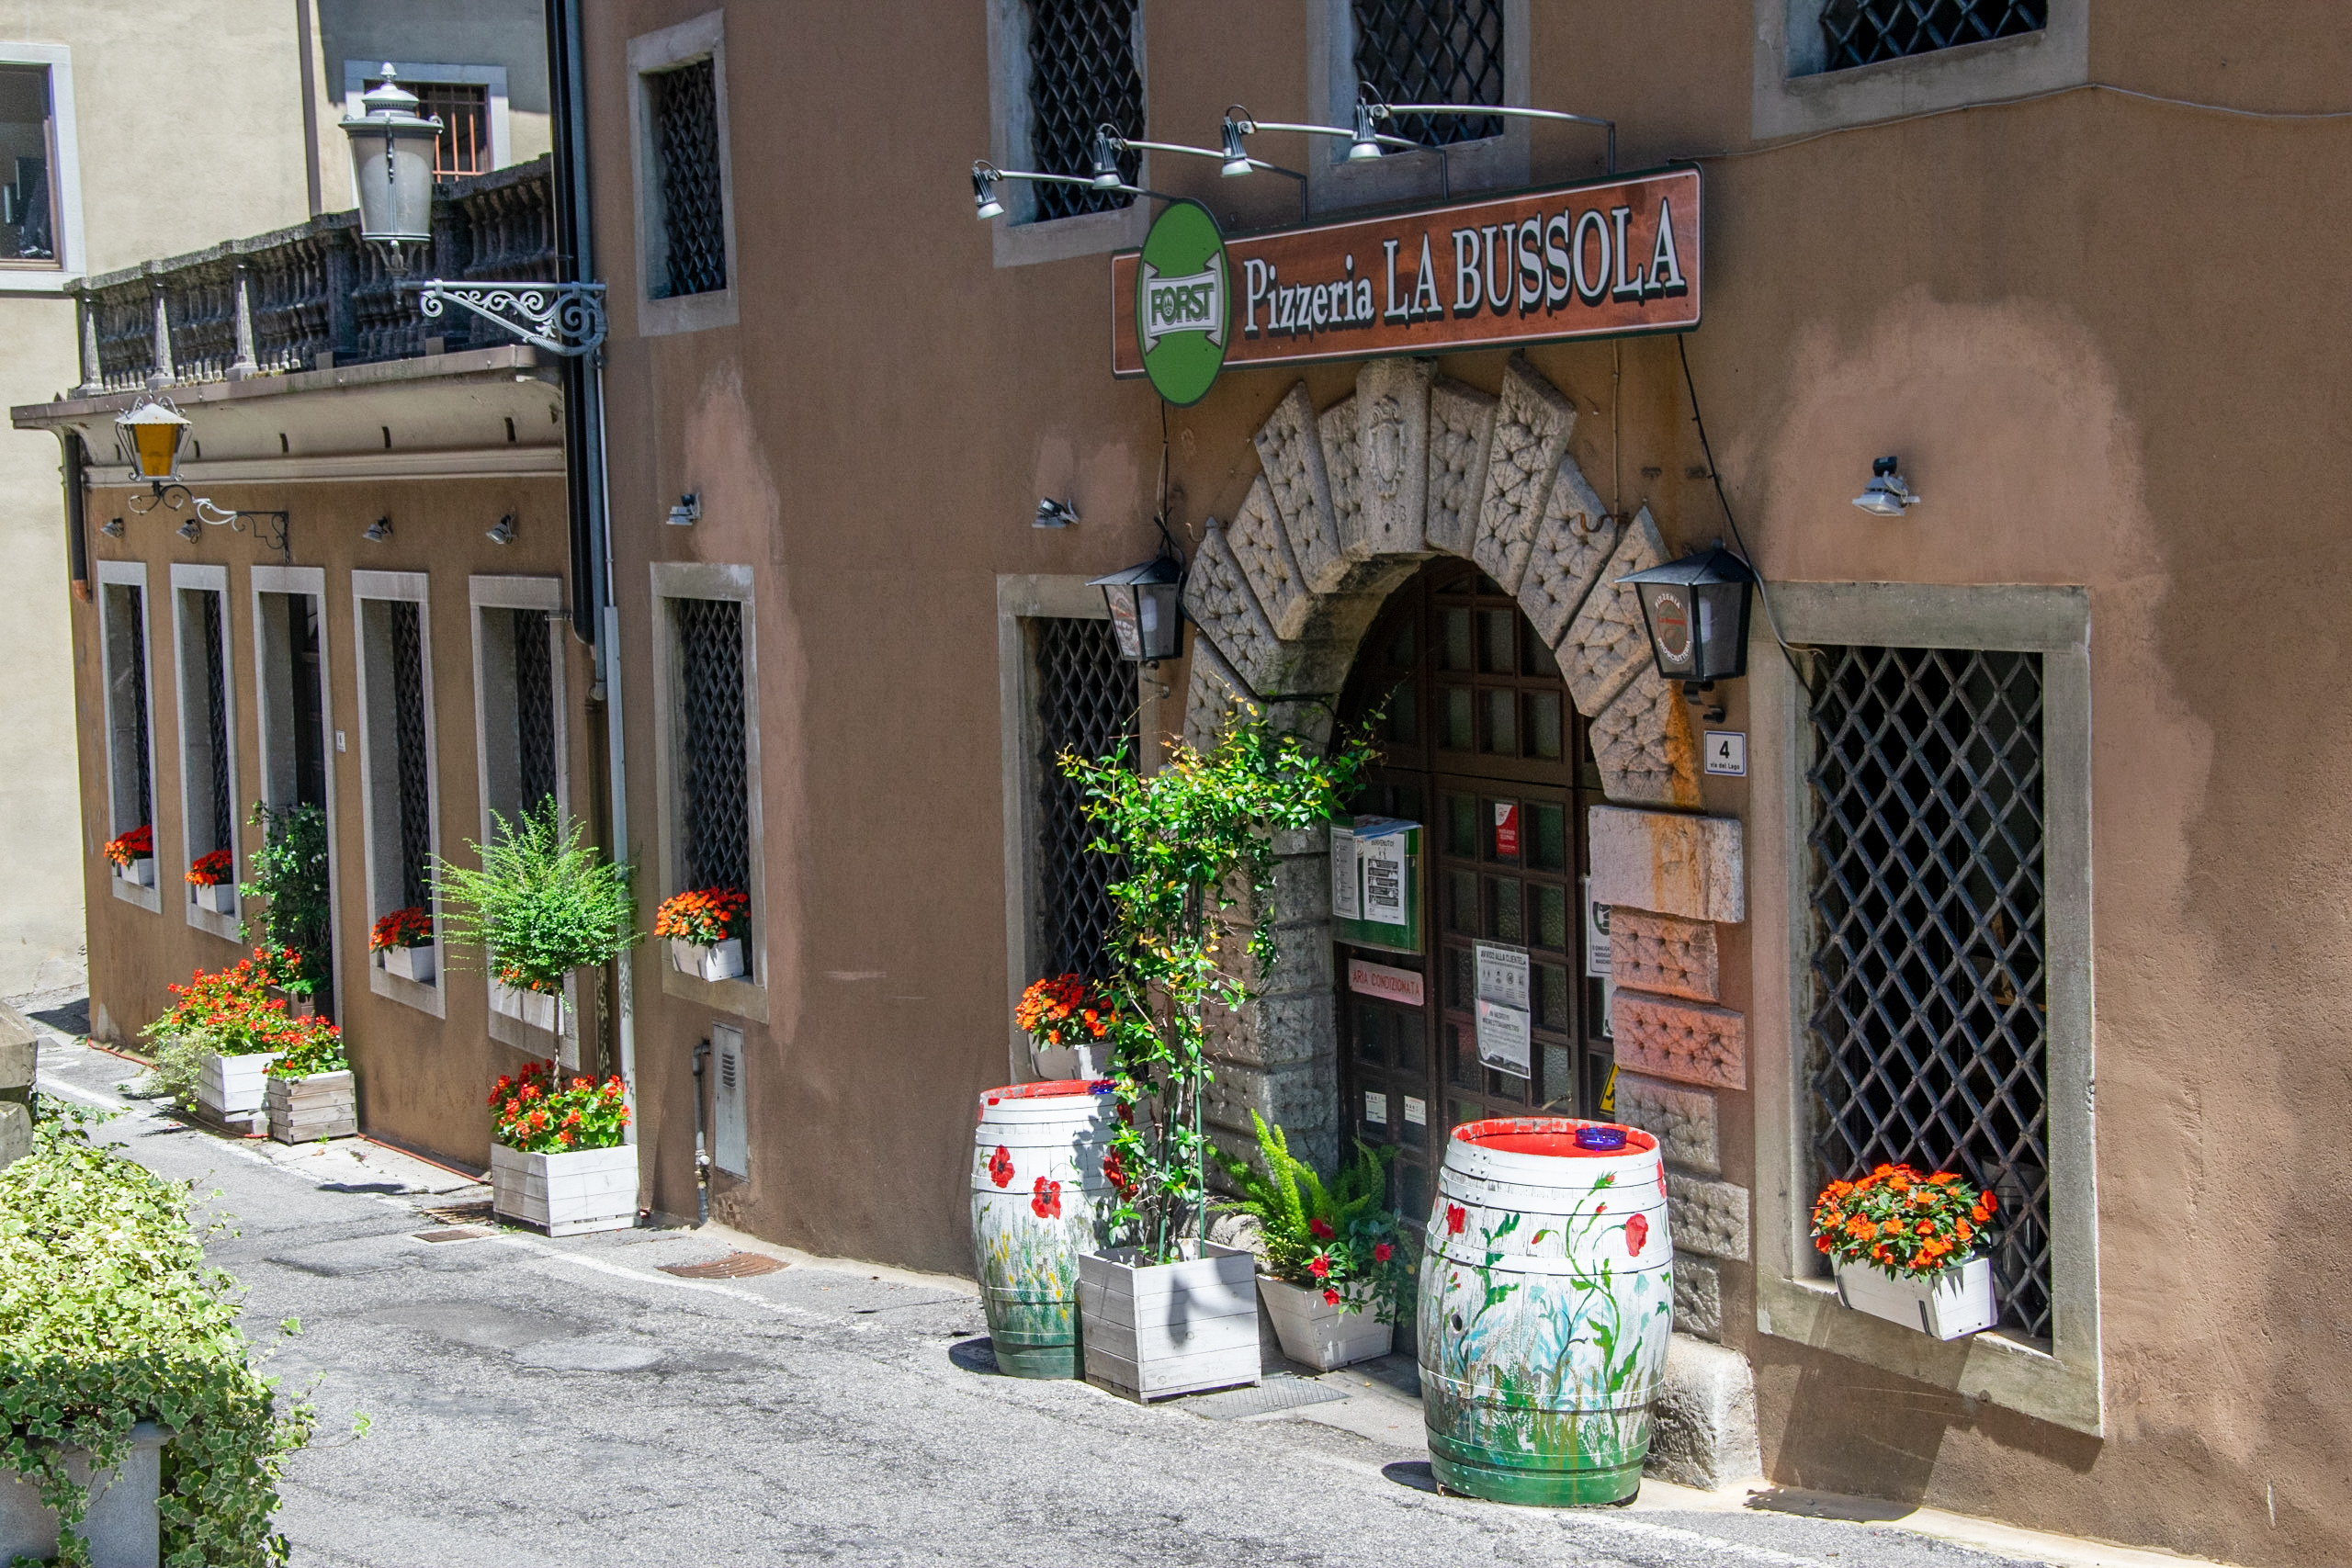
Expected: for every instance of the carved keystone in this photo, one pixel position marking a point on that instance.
(1608, 644)
(1462, 428)
(1258, 543)
(1668, 865)
(1290, 447)
(1392, 406)
(1682, 1118)
(1643, 745)
(1217, 597)
(1707, 1217)
(1688, 1042)
(1659, 953)
(1532, 425)
(1572, 542)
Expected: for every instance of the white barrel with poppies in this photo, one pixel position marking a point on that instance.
(1037, 1189)
(1546, 1300)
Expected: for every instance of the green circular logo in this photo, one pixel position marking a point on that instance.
(1182, 304)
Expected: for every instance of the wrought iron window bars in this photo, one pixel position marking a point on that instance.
(1863, 33)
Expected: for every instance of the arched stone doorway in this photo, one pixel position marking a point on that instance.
(1351, 502)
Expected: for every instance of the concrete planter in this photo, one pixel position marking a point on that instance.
(1154, 1330)
(715, 961)
(565, 1194)
(218, 899)
(409, 963)
(229, 1089)
(535, 1008)
(140, 873)
(1316, 1334)
(1056, 1064)
(120, 1527)
(323, 1105)
(1958, 1303)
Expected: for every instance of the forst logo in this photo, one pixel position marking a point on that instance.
(1181, 303)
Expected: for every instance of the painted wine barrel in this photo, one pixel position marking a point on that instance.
(1546, 1298)
(1037, 1185)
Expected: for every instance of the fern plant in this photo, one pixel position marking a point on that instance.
(1337, 1236)
(542, 904)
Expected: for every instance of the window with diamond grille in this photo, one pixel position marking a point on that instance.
(216, 721)
(714, 824)
(1086, 704)
(534, 709)
(1432, 51)
(409, 754)
(1930, 1019)
(1863, 33)
(682, 107)
(1082, 77)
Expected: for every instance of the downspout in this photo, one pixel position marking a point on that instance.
(77, 537)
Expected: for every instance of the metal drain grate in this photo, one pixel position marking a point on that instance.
(734, 1266)
(1274, 1393)
(455, 1232)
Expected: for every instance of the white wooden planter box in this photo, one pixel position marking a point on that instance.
(323, 1105)
(218, 897)
(721, 961)
(410, 963)
(1167, 1329)
(564, 1194)
(231, 1090)
(1316, 1334)
(535, 1008)
(121, 1525)
(1958, 1303)
(138, 872)
(1058, 1063)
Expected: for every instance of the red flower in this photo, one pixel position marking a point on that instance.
(1319, 1265)
(1000, 1165)
(1330, 1296)
(1114, 1171)
(1047, 1201)
(1320, 1230)
(1637, 1232)
(1381, 1252)
(1455, 1218)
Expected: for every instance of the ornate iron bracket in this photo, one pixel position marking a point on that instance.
(562, 318)
(173, 495)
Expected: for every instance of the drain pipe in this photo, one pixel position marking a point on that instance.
(702, 1177)
(77, 538)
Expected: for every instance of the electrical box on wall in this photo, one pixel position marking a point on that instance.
(729, 1140)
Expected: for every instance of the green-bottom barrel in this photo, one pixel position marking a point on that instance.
(1036, 1186)
(1546, 1299)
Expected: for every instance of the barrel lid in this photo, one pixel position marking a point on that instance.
(1552, 1137)
(1055, 1089)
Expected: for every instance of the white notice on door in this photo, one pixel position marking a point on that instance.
(1596, 934)
(1345, 905)
(1380, 870)
(1502, 1012)
(1416, 1113)
(1375, 1106)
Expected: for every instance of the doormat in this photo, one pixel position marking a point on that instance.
(734, 1266)
(1278, 1392)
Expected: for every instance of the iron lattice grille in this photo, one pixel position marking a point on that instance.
(1862, 33)
(1086, 704)
(1082, 77)
(685, 146)
(1432, 51)
(409, 754)
(216, 718)
(134, 607)
(534, 709)
(1926, 890)
(714, 826)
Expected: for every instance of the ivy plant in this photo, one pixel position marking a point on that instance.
(290, 872)
(542, 903)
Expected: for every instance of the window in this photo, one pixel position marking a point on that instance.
(28, 193)
(1863, 33)
(206, 727)
(1082, 77)
(463, 109)
(295, 722)
(685, 224)
(706, 735)
(516, 671)
(1404, 52)
(130, 758)
(396, 762)
(1086, 701)
(1928, 956)
(1432, 51)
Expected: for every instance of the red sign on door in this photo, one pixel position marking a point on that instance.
(1506, 831)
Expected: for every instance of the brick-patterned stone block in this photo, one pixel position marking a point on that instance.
(1643, 744)
(1298, 1096)
(1683, 1120)
(1669, 864)
(1219, 597)
(1688, 1042)
(1261, 544)
(1269, 1032)
(1698, 1296)
(1213, 696)
(1532, 425)
(1290, 449)
(1665, 954)
(1392, 416)
(1342, 461)
(1707, 1217)
(1702, 1431)
(1462, 430)
(1608, 643)
(1574, 539)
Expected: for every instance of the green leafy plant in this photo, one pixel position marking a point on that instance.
(290, 872)
(1197, 839)
(542, 904)
(1338, 1238)
(109, 1318)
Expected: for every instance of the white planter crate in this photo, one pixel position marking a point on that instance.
(323, 1105)
(1167, 1329)
(219, 897)
(534, 1009)
(121, 1525)
(140, 873)
(567, 1193)
(1316, 1334)
(720, 961)
(1958, 1303)
(410, 963)
(231, 1090)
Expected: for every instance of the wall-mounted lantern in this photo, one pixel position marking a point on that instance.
(1147, 612)
(391, 163)
(151, 436)
(1696, 609)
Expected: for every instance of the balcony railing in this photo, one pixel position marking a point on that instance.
(313, 296)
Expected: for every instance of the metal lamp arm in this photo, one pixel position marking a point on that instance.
(1124, 142)
(1387, 111)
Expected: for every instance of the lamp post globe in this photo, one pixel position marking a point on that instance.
(391, 165)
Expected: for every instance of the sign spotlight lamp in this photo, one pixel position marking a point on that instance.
(1887, 495)
(1696, 610)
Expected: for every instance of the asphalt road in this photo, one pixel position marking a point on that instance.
(527, 1401)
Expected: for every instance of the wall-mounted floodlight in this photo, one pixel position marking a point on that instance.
(1887, 495)
(1234, 158)
(190, 530)
(1052, 513)
(1372, 111)
(111, 527)
(985, 175)
(503, 531)
(688, 511)
(377, 532)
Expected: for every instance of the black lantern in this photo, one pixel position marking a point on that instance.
(1146, 613)
(1697, 612)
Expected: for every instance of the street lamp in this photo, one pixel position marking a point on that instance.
(1696, 609)
(1147, 614)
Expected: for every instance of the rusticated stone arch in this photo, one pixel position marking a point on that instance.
(1350, 501)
